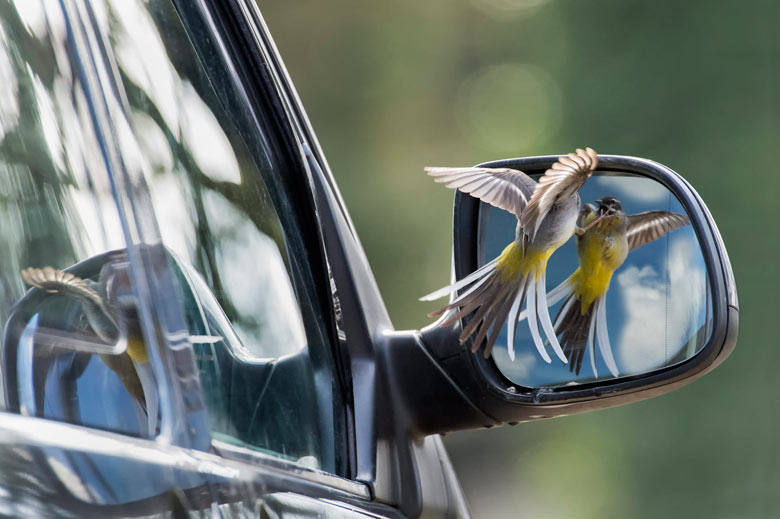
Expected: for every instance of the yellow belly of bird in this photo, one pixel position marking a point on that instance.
(590, 285)
(514, 264)
(591, 279)
(136, 348)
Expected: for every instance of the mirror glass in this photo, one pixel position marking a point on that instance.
(649, 311)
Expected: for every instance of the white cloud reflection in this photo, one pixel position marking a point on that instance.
(662, 312)
(521, 368)
(636, 189)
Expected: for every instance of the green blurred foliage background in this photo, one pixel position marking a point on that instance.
(391, 87)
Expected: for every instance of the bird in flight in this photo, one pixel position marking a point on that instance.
(546, 214)
(608, 235)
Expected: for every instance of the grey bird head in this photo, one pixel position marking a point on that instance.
(609, 205)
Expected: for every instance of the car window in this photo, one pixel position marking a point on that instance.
(265, 368)
(72, 348)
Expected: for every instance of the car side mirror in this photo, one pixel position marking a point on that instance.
(639, 302)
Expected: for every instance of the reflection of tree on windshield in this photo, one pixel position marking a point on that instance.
(216, 210)
(48, 157)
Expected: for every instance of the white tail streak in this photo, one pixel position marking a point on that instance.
(512, 321)
(532, 323)
(603, 337)
(473, 287)
(151, 396)
(553, 296)
(480, 272)
(591, 349)
(544, 318)
(559, 292)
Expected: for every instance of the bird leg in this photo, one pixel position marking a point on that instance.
(579, 231)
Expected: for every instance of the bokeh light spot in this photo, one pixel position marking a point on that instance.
(509, 108)
(509, 9)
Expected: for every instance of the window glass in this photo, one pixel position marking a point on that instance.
(72, 347)
(266, 372)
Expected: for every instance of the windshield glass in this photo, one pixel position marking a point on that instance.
(73, 349)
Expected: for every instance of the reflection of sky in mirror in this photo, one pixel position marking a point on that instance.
(657, 302)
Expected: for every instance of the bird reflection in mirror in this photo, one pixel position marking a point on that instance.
(101, 305)
(546, 218)
(604, 238)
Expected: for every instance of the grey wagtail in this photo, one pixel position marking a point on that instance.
(546, 218)
(607, 238)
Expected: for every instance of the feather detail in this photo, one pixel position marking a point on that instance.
(505, 188)
(651, 225)
(514, 318)
(572, 325)
(602, 336)
(449, 289)
(591, 348)
(57, 281)
(563, 178)
(101, 318)
(544, 318)
(533, 325)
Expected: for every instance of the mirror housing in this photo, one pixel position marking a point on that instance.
(446, 387)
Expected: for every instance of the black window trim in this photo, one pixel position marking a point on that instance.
(376, 408)
(357, 359)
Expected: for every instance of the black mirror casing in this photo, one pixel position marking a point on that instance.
(447, 387)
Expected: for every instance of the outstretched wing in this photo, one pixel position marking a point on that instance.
(505, 188)
(58, 281)
(100, 317)
(563, 178)
(651, 225)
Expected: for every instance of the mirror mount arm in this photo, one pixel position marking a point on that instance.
(434, 402)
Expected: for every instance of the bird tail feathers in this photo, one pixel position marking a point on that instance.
(582, 331)
(487, 296)
(574, 328)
